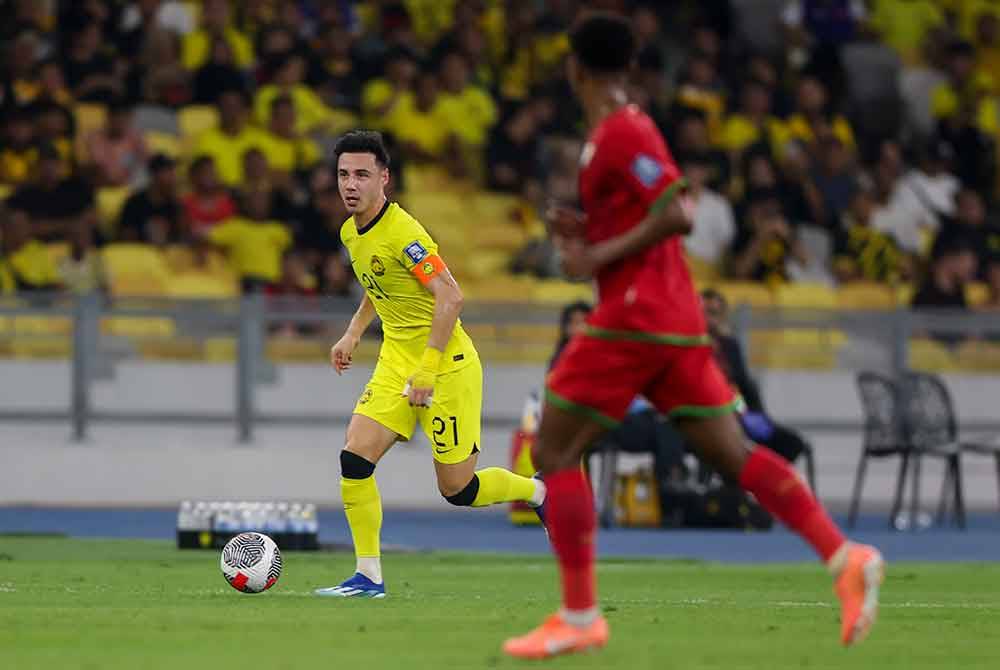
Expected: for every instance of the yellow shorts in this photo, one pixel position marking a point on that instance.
(451, 423)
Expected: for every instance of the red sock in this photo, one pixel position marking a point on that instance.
(570, 518)
(782, 493)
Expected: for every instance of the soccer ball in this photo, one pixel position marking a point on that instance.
(251, 562)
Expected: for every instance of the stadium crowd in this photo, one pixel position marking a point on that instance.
(200, 129)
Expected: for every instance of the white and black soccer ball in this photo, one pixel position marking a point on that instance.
(251, 562)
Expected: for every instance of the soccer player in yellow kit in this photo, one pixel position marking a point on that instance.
(428, 369)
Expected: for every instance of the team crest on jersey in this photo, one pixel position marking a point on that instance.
(415, 251)
(366, 396)
(587, 154)
(647, 170)
(378, 268)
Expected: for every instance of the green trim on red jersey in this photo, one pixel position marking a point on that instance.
(576, 408)
(704, 412)
(651, 338)
(667, 196)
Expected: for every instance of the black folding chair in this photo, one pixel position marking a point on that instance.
(935, 420)
(888, 433)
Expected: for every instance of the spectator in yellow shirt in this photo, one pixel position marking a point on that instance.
(470, 108)
(754, 123)
(967, 93)
(312, 114)
(233, 138)
(813, 119)
(381, 97)
(254, 243)
(290, 151)
(26, 260)
(423, 127)
(215, 23)
(18, 153)
(904, 24)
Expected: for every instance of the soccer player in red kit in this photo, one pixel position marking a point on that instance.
(647, 336)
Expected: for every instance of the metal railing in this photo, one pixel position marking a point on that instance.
(853, 340)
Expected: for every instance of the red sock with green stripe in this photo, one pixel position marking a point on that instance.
(571, 522)
(782, 492)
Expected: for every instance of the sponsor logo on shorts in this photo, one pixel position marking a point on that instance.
(415, 251)
(378, 268)
(366, 396)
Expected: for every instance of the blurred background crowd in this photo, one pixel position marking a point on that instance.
(168, 147)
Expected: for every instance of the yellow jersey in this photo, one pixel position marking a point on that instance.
(393, 258)
(255, 247)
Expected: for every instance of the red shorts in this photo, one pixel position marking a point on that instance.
(600, 378)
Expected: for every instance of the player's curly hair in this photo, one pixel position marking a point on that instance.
(603, 42)
(362, 142)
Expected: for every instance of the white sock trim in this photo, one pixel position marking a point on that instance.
(538, 497)
(370, 567)
(839, 559)
(579, 618)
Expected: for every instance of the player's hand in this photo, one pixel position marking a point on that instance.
(565, 222)
(575, 258)
(342, 353)
(420, 386)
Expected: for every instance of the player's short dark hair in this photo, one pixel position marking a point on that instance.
(603, 42)
(362, 142)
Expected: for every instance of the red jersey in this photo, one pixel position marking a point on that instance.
(626, 168)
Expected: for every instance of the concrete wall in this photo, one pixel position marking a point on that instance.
(157, 463)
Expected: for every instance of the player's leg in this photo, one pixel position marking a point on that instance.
(453, 426)
(380, 418)
(699, 401)
(588, 393)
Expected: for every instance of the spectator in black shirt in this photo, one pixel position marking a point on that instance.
(757, 424)
(953, 266)
(513, 149)
(765, 241)
(89, 73)
(970, 223)
(153, 215)
(218, 74)
(53, 204)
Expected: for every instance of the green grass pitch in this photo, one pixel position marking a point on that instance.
(143, 605)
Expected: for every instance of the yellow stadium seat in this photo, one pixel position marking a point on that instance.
(196, 119)
(297, 350)
(109, 206)
(865, 295)
(129, 259)
(5, 325)
(34, 347)
(531, 333)
(88, 117)
(481, 264)
(505, 237)
(501, 288)
(931, 356)
(220, 349)
(171, 349)
(201, 285)
(554, 291)
(904, 294)
(137, 286)
(979, 357)
(158, 142)
(806, 296)
(750, 293)
(139, 327)
(179, 258)
(977, 294)
(58, 251)
(701, 270)
(42, 325)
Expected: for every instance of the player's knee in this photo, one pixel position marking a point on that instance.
(353, 466)
(466, 496)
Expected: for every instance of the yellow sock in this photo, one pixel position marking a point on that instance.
(363, 507)
(497, 485)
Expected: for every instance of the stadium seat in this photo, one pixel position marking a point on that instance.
(977, 294)
(501, 288)
(979, 357)
(158, 142)
(296, 350)
(58, 251)
(201, 285)
(138, 327)
(558, 292)
(88, 117)
(42, 325)
(904, 294)
(5, 191)
(806, 296)
(220, 349)
(196, 119)
(34, 347)
(749, 293)
(481, 264)
(135, 269)
(928, 355)
(866, 295)
(109, 206)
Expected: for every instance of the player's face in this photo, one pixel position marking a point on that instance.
(361, 181)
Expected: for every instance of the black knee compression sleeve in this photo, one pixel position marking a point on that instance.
(465, 497)
(353, 466)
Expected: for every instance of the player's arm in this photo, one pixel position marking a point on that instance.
(448, 300)
(343, 351)
(673, 218)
